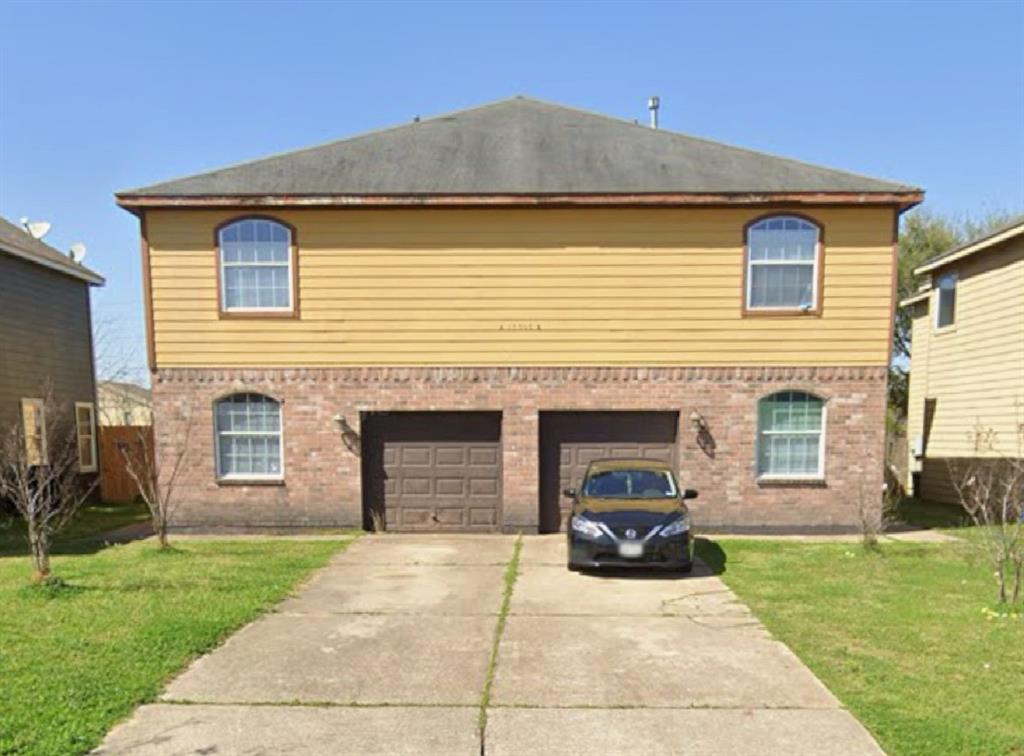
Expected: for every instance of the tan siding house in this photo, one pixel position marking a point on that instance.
(967, 369)
(45, 335)
(121, 403)
(435, 326)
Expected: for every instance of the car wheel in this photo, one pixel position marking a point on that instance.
(687, 568)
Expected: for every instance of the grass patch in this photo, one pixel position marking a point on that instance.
(907, 638)
(511, 574)
(90, 522)
(80, 654)
(930, 514)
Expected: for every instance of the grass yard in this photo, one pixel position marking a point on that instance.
(902, 637)
(88, 523)
(74, 660)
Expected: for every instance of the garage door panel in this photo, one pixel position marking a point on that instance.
(416, 486)
(572, 440)
(439, 471)
(482, 517)
(450, 516)
(450, 455)
(451, 487)
(484, 486)
(414, 456)
(483, 456)
(659, 453)
(411, 517)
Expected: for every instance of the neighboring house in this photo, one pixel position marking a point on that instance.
(45, 340)
(123, 403)
(967, 366)
(438, 325)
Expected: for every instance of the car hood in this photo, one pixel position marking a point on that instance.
(641, 520)
(656, 506)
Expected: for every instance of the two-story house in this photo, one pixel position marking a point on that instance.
(45, 341)
(436, 326)
(967, 369)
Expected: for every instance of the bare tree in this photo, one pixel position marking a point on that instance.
(876, 512)
(39, 474)
(990, 486)
(118, 358)
(157, 475)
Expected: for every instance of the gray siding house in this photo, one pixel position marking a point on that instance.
(45, 336)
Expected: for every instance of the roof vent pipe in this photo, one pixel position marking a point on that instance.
(653, 103)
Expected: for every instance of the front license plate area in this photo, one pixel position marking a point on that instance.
(631, 549)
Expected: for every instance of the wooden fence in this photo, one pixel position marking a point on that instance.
(116, 485)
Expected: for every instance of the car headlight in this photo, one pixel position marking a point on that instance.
(676, 527)
(585, 527)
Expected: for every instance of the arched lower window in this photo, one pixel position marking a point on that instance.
(791, 435)
(782, 264)
(256, 266)
(248, 435)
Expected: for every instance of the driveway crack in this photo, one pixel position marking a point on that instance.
(511, 574)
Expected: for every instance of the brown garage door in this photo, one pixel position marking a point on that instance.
(432, 471)
(571, 440)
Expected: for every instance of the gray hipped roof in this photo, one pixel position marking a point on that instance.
(17, 241)
(518, 146)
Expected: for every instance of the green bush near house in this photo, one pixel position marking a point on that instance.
(908, 638)
(78, 656)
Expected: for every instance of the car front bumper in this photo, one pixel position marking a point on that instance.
(675, 553)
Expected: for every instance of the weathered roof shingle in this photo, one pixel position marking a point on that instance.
(518, 146)
(18, 242)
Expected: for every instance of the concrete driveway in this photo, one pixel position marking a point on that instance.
(388, 651)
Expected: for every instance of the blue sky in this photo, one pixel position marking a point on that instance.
(100, 97)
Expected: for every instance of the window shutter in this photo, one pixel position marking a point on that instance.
(34, 426)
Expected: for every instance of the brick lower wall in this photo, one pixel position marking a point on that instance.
(322, 410)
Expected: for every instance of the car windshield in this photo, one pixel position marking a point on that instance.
(630, 484)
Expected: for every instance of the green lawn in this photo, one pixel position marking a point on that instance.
(88, 523)
(902, 637)
(75, 660)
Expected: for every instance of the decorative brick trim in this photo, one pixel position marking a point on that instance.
(377, 376)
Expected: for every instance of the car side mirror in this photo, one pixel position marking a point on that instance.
(570, 493)
(690, 493)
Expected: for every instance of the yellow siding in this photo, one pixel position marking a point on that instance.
(521, 287)
(974, 370)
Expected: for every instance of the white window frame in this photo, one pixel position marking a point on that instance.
(40, 409)
(820, 474)
(92, 436)
(223, 265)
(216, 442)
(938, 299)
(814, 268)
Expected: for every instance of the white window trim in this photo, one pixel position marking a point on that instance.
(92, 436)
(813, 263)
(224, 278)
(259, 477)
(938, 300)
(40, 408)
(816, 476)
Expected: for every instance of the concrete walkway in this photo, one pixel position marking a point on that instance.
(387, 651)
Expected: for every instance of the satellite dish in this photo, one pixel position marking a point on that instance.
(36, 229)
(78, 251)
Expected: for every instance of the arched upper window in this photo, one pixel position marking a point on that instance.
(248, 437)
(791, 435)
(783, 255)
(256, 266)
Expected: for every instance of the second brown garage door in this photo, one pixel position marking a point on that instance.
(432, 471)
(569, 441)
